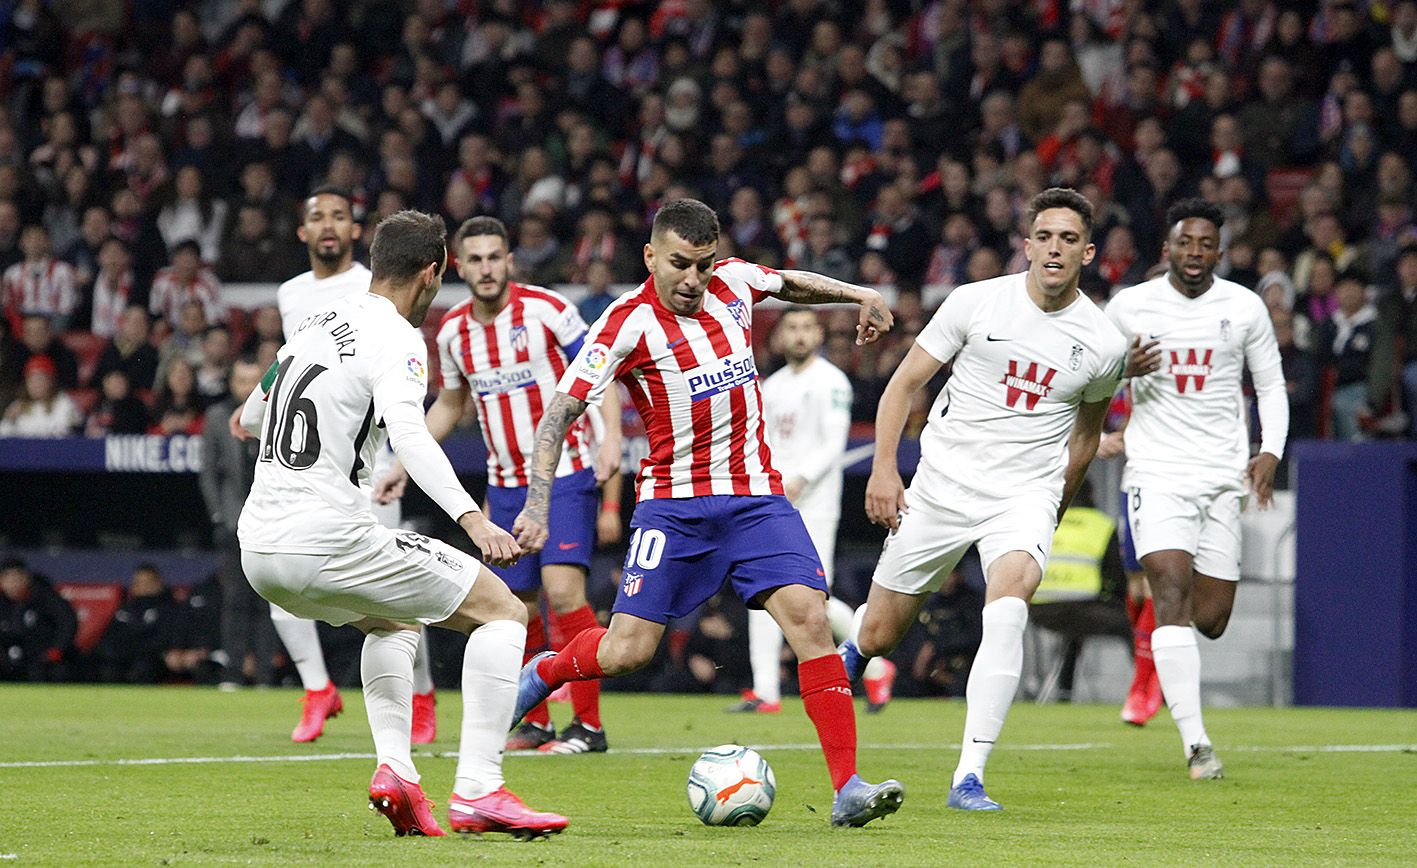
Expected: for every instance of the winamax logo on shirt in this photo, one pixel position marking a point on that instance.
(1027, 384)
(1195, 367)
(720, 376)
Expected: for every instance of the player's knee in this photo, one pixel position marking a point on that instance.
(1213, 626)
(875, 639)
(566, 599)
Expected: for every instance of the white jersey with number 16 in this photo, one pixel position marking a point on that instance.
(337, 375)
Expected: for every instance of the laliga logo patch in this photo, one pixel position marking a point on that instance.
(596, 357)
(416, 371)
(739, 312)
(520, 338)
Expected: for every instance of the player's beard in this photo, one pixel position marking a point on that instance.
(333, 257)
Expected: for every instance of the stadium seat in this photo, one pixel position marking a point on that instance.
(1282, 187)
(94, 605)
(87, 347)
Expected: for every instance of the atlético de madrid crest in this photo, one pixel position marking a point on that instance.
(739, 310)
(520, 338)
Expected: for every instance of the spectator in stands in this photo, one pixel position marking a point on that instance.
(178, 407)
(598, 240)
(1119, 263)
(186, 280)
(825, 253)
(112, 288)
(142, 631)
(37, 339)
(1282, 127)
(599, 294)
(253, 254)
(40, 283)
(215, 368)
(130, 351)
(247, 635)
(37, 626)
(40, 410)
(117, 410)
(1393, 363)
(135, 227)
(1344, 342)
(10, 252)
(95, 227)
(1300, 377)
(265, 326)
(192, 213)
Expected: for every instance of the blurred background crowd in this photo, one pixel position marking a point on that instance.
(154, 154)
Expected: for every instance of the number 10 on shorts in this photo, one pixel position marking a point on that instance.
(646, 549)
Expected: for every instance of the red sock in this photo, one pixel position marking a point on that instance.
(585, 695)
(1141, 645)
(535, 644)
(827, 697)
(575, 662)
(1134, 607)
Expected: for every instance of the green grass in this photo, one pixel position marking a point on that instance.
(1120, 796)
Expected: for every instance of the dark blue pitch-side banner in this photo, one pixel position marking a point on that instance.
(142, 453)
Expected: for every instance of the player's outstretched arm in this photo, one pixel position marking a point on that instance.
(1082, 446)
(885, 492)
(807, 287)
(530, 526)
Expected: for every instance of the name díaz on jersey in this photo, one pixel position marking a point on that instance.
(504, 379)
(721, 375)
(342, 333)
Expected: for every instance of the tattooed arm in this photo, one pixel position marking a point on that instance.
(530, 526)
(806, 287)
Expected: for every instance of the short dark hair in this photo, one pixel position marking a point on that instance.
(13, 563)
(187, 245)
(690, 219)
(1187, 209)
(405, 242)
(330, 190)
(474, 226)
(1062, 197)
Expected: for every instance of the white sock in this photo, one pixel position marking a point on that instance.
(992, 681)
(854, 631)
(302, 646)
(1178, 667)
(765, 654)
(840, 617)
(490, 669)
(422, 666)
(386, 666)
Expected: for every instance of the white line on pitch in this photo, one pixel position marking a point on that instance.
(658, 751)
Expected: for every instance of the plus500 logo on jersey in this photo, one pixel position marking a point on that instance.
(719, 376)
(503, 379)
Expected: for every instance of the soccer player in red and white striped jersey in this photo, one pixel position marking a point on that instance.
(504, 349)
(710, 505)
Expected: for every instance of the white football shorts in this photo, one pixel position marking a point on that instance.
(1206, 526)
(397, 575)
(918, 557)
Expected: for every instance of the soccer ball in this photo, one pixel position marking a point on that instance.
(731, 785)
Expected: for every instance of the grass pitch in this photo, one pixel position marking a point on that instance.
(1078, 787)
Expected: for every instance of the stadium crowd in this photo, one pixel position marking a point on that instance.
(152, 153)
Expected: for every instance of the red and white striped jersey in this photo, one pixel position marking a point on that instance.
(512, 365)
(110, 298)
(49, 286)
(693, 381)
(169, 294)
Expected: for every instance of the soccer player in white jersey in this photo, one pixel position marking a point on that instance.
(711, 507)
(807, 407)
(503, 350)
(1188, 450)
(328, 230)
(351, 376)
(1009, 439)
